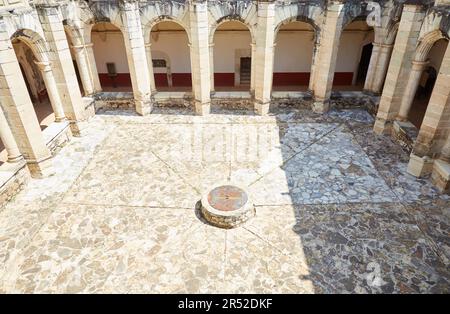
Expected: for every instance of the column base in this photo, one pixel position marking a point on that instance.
(143, 107)
(41, 169)
(60, 119)
(441, 175)
(382, 127)
(78, 128)
(371, 92)
(321, 106)
(202, 109)
(420, 166)
(262, 109)
(14, 159)
(89, 107)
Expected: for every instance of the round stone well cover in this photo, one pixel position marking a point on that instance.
(227, 198)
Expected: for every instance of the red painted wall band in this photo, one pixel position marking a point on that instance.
(290, 78)
(226, 79)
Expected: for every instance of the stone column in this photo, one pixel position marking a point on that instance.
(82, 59)
(8, 140)
(151, 75)
(314, 57)
(200, 59)
(378, 66)
(93, 67)
(136, 55)
(440, 175)
(445, 153)
(52, 89)
(399, 67)
(325, 61)
(435, 126)
(19, 111)
(263, 56)
(211, 66)
(62, 66)
(252, 71)
(411, 89)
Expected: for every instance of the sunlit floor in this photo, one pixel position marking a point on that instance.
(336, 211)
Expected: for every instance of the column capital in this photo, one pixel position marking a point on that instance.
(128, 5)
(88, 45)
(419, 65)
(380, 45)
(44, 66)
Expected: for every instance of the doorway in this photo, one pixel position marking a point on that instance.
(245, 71)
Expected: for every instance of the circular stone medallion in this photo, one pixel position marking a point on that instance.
(227, 198)
(227, 206)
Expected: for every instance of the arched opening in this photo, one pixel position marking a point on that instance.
(41, 87)
(293, 56)
(111, 58)
(232, 56)
(426, 83)
(355, 50)
(35, 83)
(170, 57)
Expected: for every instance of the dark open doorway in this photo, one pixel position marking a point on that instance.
(245, 71)
(364, 64)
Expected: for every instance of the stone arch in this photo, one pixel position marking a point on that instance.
(35, 42)
(180, 76)
(77, 16)
(164, 18)
(392, 34)
(360, 49)
(304, 19)
(74, 33)
(105, 11)
(426, 43)
(225, 19)
(352, 12)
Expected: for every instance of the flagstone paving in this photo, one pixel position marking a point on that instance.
(336, 211)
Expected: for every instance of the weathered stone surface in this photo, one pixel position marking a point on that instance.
(119, 215)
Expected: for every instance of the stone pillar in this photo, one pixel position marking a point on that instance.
(314, 57)
(200, 59)
(411, 89)
(263, 56)
(19, 111)
(62, 66)
(8, 140)
(378, 67)
(435, 126)
(252, 71)
(399, 67)
(325, 61)
(93, 67)
(211, 66)
(151, 75)
(52, 90)
(136, 55)
(445, 153)
(441, 169)
(82, 59)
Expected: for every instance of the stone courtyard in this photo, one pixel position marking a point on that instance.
(336, 210)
